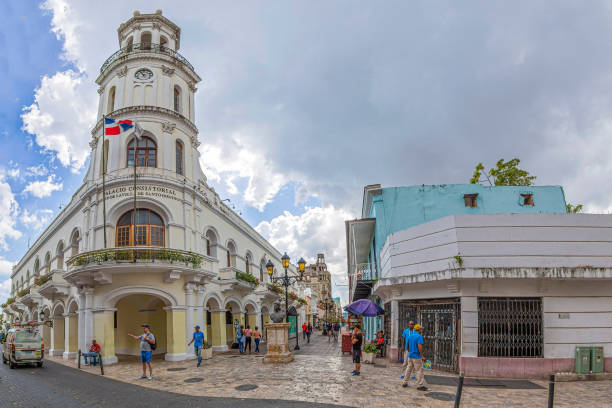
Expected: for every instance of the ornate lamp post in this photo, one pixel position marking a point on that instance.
(287, 281)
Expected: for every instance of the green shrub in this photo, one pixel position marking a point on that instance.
(247, 277)
(23, 292)
(370, 348)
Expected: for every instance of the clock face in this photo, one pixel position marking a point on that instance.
(143, 74)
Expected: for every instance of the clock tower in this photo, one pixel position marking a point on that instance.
(148, 81)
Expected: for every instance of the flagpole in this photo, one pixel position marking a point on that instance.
(135, 160)
(104, 177)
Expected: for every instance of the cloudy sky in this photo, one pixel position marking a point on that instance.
(304, 103)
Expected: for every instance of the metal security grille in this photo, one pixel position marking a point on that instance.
(441, 322)
(510, 327)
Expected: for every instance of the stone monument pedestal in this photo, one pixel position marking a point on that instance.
(278, 343)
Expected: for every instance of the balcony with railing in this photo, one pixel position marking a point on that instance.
(101, 264)
(361, 280)
(145, 48)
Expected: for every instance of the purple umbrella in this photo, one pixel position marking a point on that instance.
(364, 307)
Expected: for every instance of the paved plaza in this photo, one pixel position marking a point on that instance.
(320, 374)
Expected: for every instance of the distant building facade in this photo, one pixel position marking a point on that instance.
(318, 279)
(504, 280)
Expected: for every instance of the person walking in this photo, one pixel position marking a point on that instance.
(198, 341)
(147, 345)
(336, 331)
(405, 334)
(239, 339)
(415, 358)
(309, 331)
(304, 327)
(257, 337)
(247, 336)
(357, 340)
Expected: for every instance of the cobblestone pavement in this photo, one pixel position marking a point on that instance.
(321, 374)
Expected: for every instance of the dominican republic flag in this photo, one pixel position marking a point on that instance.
(114, 127)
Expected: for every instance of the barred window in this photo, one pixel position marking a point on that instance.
(510, 327)
(149, 229)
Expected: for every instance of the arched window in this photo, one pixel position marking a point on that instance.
(74, 244)
(149, 231)
(163, 43)
(145, 41)
(211, 243)
(262, 269)
(179, 157)
(48, 262)
(60, 255)
(177, 98)
(111, 100)
(248, 260)
(146, 153)
(36, 267)
(130, 44)
(231, 253)
(28, 277)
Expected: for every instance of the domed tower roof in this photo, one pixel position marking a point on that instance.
(136, 22)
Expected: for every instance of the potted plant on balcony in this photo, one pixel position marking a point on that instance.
(206, 351)
(369, 351)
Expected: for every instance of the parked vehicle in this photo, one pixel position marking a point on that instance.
(23, 345)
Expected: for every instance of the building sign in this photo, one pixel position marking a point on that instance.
(143, 191)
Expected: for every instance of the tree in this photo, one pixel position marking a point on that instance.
(505, 173)
(574, 209)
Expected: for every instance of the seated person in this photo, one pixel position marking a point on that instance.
(94, 352)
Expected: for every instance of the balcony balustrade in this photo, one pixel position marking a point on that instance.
(145, 47)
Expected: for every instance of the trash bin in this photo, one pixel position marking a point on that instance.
(583, 360)
(597, 359)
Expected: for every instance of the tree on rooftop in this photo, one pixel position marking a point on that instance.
(505, 173)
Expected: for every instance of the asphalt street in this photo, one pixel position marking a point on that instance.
(55, 385)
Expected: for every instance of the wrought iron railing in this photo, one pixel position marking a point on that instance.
(135, 254)
(145, 47)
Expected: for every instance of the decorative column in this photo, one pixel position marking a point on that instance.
(393, 350)
(200, 310)
(88, 325)
(189, 288)
(252, 320)
(66, 337)
(218, 329)
(81, 312)
(192, 89)
(175, 329)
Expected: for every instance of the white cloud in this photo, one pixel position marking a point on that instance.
(9, 210)
(233, 158)
(63, 111)
(319, 229)
(40, 170)
(5, 290)
(37, 220)
(6, 268)
(44, 188)
(65, 24)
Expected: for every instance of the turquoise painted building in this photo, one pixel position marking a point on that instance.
(391, 209)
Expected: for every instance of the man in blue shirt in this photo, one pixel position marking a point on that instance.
(405, 334)
(415, 358)
(198, 342)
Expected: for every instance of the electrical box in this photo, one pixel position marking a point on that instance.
(583, 360)
(597, 359)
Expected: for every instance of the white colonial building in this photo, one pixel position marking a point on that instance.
(100, 270)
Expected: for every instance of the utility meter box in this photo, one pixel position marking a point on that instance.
(597, 359)
(583, 360)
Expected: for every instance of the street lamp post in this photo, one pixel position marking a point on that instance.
(287, 281)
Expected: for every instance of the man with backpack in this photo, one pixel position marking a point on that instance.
(147, 345)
